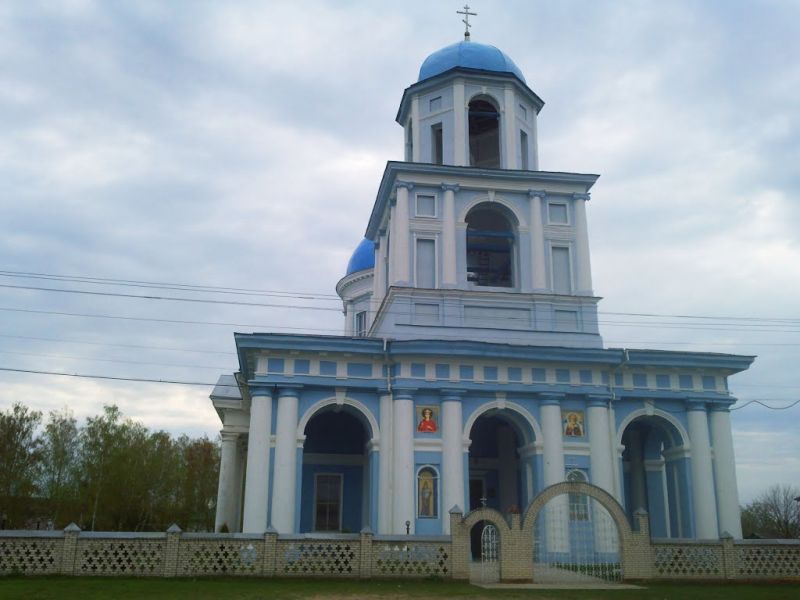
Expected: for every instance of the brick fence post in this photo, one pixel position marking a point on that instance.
(172, 551)
(69, 550)
(728, 556)
(637, 550)
(270, 552)
(459, 545)
(516, 554)
(365, 549)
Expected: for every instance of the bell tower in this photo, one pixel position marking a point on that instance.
(468, 239)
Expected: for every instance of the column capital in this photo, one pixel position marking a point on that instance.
(720, 407)
(600, 400)
(291, 390)
(409, 185)
(452, 394)
(403, 393)
(229, 436)
(551, 398)
(696, 404)
(581, 196)
(450, 187)
(537, 193)
(261, 390)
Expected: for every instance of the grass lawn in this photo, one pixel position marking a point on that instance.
(78, 588)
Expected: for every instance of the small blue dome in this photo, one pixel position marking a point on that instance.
(468, 55)
(363, 257)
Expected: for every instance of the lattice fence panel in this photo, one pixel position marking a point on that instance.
(39, 556)
(768, 561)
(681, 561)
(415, 560)
(329, 559)
(229, 557)
(120, 557)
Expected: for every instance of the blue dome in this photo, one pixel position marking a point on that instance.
(363, 257)
(468, 55)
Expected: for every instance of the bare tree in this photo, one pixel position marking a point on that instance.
(774, 514)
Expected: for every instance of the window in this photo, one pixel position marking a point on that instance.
(327, 502)
(426, 263)
(490, 243)
(562, 278)
(578, 503)
(435, 104)
(484, 134)
(557, 213)
(523, 112)
(360, 325)
(426, 205)
(427, 493)
(437, 157)
(523, 150)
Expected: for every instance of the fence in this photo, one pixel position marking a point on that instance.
(174, 553)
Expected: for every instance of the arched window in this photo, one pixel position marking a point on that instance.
(490, 248)
(427, 493)
(484, 134)
(578, 503)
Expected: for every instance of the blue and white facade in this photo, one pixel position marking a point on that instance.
(471, 369)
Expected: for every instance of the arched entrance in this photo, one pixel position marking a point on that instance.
(335, 484)
(656, 472)
(577, 531)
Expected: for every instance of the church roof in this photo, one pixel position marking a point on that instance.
(363, 257)
(468, 55)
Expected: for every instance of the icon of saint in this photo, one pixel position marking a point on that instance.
(427, 424)
(573, 427)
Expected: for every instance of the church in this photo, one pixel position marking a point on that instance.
(471, 370)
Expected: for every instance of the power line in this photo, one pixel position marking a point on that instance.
(110, 344)
(114, 360)
(107, 377)
(749, 402)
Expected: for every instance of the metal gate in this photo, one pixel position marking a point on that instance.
(575, 541)
(490, 567)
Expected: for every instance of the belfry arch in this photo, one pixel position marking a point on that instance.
(491, 246)
(484, 133)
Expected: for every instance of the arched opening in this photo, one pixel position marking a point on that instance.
(655, 476)
(484, 134)
(490, 247)
(335, 483)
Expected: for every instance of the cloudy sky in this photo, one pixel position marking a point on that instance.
(239, 145)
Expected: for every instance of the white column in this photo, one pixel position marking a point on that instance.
(449, 270)
(226, 492)
(256, 487)
(583, 262)
(415, 149)
(725, 472)
(557, 516)
(283, 489)
(378, 275)
(459, 126)
(452, 456)
(401, 235)
(705, 505)
(537, 242)
(385, 465)
(600, 444)
(403, 451)
(510, 129)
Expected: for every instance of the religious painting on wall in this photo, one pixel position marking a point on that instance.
(427, 493)
(428, 419)
(573, 422)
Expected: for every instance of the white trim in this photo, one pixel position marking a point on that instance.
(435, 197)
(340, 476)
(360, 407)
(420, 236)
(552, 244)
(512, 406)
(563, 203)
(684, 442)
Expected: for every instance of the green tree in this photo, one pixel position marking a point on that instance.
(774, 514)
(60, 445)
(20, 463)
